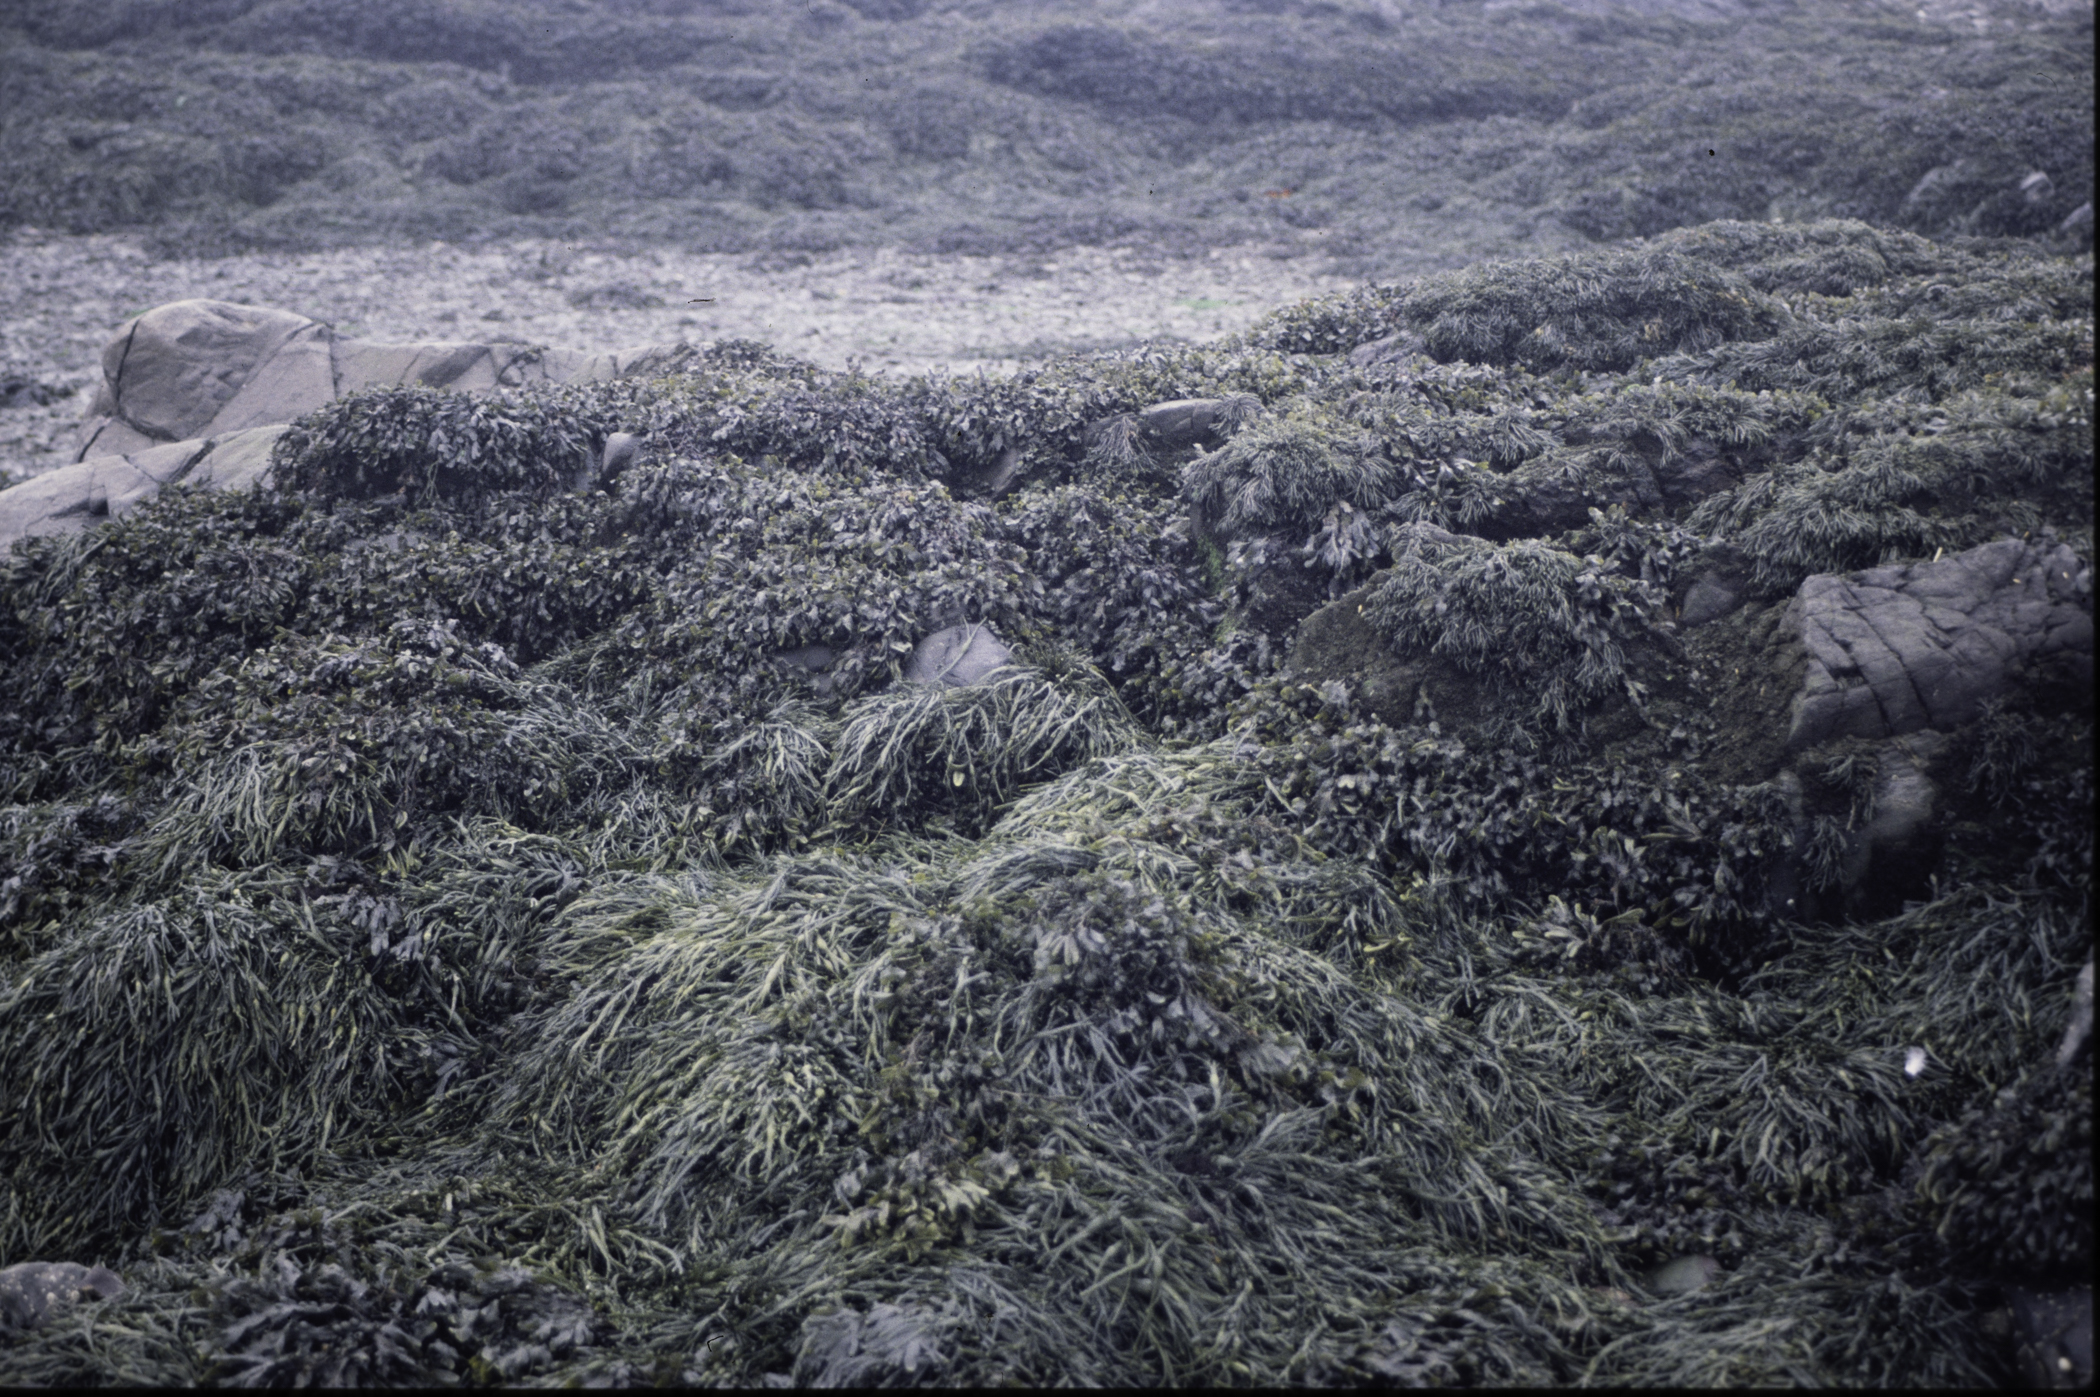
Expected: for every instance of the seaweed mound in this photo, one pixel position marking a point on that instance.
(1384, 916)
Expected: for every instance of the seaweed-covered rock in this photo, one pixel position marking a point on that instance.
(1899, 648)
(516, 877)
(32, 1290)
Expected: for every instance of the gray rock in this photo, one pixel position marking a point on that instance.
(236, 462)
(55, 502)
(199, 392)
(1710, 598)
(1895, 649)
(173, 369)
(108, 487)
(359, 365)
(1177, 426)
(1183, 422)
(104, 435)
(956, 656)
(32, 1290)
(621, 449)
(297, 377)
(1683, 1275)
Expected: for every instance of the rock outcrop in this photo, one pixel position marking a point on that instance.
(1897, 659)
(197, 392)
(1924, 645)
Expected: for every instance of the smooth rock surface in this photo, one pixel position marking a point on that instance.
(956, 656)
(171, 370)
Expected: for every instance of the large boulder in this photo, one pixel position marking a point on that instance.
(195, 369)
(197, 392)
(1896, 649)
(171, 371)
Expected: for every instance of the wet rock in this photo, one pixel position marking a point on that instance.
(32, 1291)
(1895, 649)
(1178, 427)
(1709, 598)
(957, 656)
(1184, 422)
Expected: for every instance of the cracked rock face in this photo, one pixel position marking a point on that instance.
(170, 371)
(1922, 645)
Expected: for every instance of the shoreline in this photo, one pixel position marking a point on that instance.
(894, 312)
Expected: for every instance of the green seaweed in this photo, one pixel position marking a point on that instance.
(447, 939)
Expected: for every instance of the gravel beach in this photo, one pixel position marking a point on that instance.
(894, 312)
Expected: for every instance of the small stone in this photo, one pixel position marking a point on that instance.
(1683, 1275)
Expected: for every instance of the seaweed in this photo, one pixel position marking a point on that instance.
(459, 929)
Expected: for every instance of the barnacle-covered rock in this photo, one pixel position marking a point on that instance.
(31, 1291)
